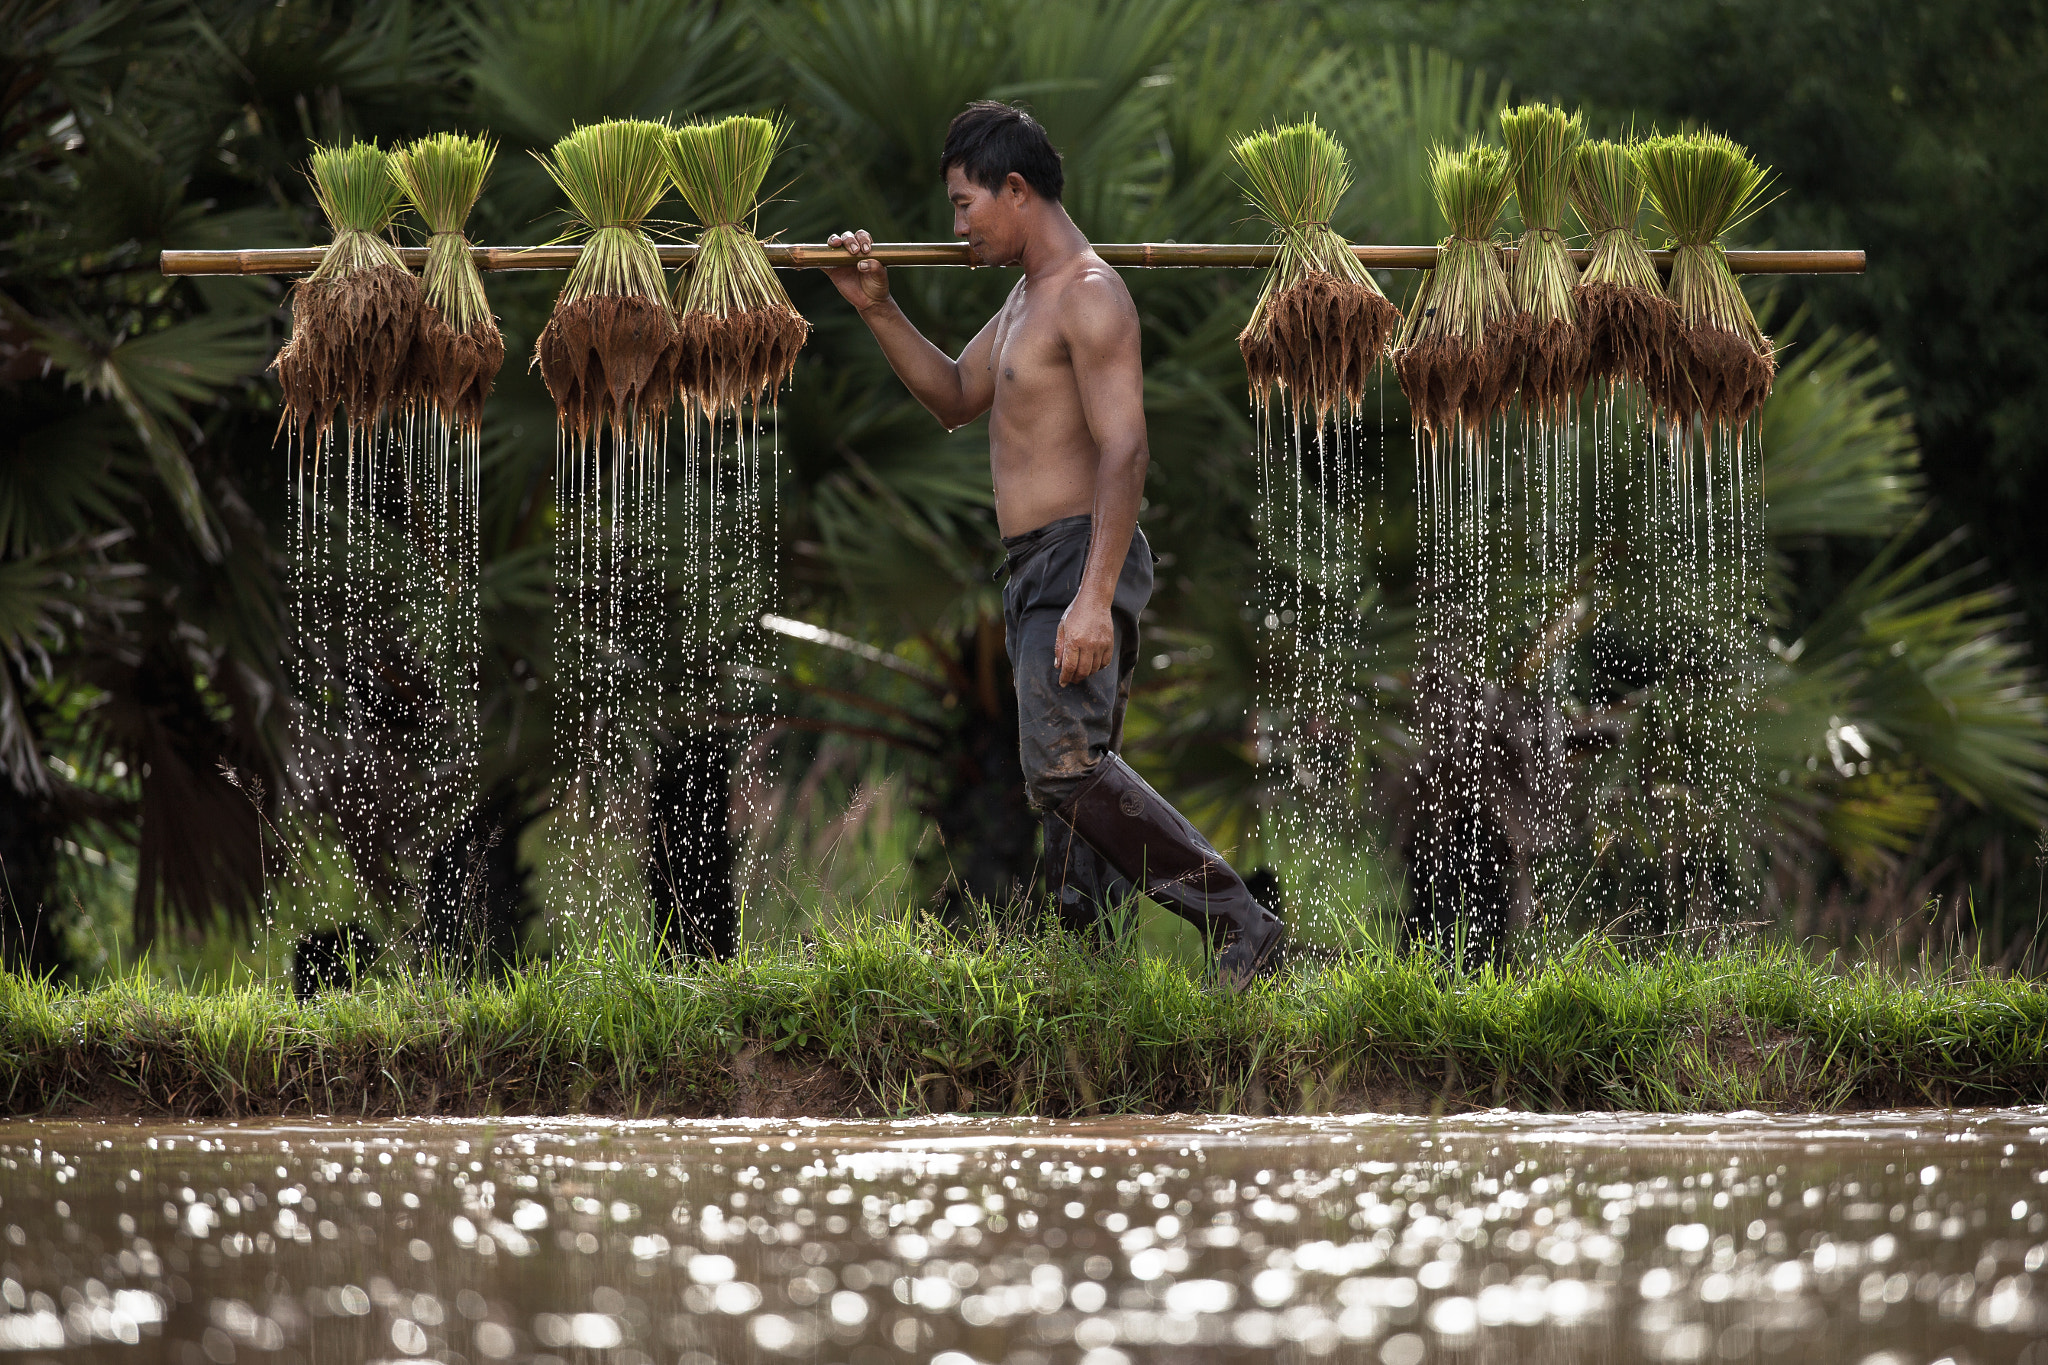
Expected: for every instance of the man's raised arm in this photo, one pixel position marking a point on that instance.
(1102, 338)
(954, 391)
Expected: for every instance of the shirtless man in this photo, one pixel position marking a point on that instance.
(1058, 372)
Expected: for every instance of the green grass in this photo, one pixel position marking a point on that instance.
(887, 1016)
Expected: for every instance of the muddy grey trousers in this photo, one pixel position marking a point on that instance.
(1064, 731)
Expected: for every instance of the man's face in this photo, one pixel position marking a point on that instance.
(991, 221)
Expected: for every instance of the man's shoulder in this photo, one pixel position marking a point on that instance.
(1097, 314)
(1093, 273)
(1095, 285)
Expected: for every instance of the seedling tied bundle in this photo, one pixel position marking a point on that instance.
(459, 350)
(1704, 186)
(1459, 347)
(1321, 322)
(1460, 357)
(737, 342)
(1541, 144)
(608, 352)
(1629, 324)
(1318, 329)
(355, 319)
(738, 334)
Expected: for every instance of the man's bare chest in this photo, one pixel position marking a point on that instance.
(1030, 358)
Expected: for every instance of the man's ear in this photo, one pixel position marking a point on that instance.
(1017, 187)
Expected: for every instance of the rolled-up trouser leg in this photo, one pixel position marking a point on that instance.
(1142, 836)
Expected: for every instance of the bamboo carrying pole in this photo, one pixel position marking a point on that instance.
(816, 255)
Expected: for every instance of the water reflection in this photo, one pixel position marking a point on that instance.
(1893, 1239)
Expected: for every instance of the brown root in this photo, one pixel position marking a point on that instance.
(1631, 334)
(1498, 373)
(351, 348)
(608, 358)
(1552, 360)
(1450, 384)
(309, 395)
(1319, 339)
(726, 362)
(453, 371)
(1717, 377)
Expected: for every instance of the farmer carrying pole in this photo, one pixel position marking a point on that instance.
(1059, 372)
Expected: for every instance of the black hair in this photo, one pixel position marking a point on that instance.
(989, 139)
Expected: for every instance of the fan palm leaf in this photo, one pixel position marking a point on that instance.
(150, 377)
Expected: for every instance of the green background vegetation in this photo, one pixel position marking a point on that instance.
(142, 499)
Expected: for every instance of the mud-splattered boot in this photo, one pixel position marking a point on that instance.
(1134, 829)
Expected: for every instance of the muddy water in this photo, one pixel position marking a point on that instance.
(1889, 1239)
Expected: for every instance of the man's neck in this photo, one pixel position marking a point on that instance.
(1053, 244)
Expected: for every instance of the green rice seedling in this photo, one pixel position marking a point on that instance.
(608, 351)
(459, 349)
(1630, 325)
(354, 319)
(1321, 322)
(1458, 346)
(1704, 186)
(739, 334)
(1542, 143)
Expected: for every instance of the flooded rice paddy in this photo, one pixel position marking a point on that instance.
(1885, 1239)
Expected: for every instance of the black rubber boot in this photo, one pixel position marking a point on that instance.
(1151, 843)
(1091, 900)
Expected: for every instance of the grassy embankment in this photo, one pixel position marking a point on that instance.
(881, 1017)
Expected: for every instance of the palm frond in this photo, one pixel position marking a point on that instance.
(1936, 675)
(48, 598)
(1430, 101)
(150, 377)
(1839, 453)
(541, 69)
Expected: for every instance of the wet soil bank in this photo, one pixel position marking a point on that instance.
(893, 1022)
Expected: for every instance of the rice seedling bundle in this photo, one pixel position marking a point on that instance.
(1630, 325)
(1704, 185)
(355, 318)
(607, 353)
(1458, 347)
(1321, 321)
(1541, 143)
(738, 334)
(458, 350)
